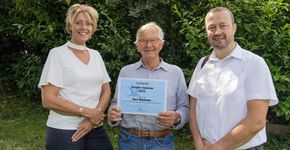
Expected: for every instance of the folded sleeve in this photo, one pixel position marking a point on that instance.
(182, 100)
(259, 83)
(53, 70)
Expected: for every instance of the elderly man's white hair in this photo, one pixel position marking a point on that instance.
(148, 26)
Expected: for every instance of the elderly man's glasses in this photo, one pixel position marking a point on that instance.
(152, 42)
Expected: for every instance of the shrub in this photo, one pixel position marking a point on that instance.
(262, 28)
(26, 73)
(33, 27)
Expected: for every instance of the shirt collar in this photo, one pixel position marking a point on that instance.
(236, 53)
(162, 65)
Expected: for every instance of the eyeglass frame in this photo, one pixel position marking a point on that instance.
(145, 42)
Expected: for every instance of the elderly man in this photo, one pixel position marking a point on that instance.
(146, 131)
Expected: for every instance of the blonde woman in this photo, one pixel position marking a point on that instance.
(75, 88)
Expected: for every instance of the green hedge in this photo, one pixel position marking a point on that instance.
(31, 28)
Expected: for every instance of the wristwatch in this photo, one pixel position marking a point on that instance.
(178, 120)
(81, 109)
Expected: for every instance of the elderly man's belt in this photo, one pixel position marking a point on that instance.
(148, 134)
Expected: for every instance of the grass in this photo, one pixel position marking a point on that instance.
(22, 127)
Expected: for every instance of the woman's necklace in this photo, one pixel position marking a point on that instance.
(76, 46)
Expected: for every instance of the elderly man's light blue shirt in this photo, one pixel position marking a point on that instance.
(177, 98)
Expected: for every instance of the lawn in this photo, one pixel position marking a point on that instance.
(22, 127)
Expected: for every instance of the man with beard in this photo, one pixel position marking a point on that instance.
(230, 91)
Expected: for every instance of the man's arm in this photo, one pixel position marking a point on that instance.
(247, 128)
(193, 124)
(178, 117)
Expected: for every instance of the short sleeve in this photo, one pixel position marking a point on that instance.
(192, 84)
(103, 66)
(259, 83)
(53, 70)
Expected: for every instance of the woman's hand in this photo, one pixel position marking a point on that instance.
(95, 115)
(84, 127)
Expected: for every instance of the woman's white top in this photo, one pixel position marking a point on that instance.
(79, 83)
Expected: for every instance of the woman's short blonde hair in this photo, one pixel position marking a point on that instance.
(89, 11)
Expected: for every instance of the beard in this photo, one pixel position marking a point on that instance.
(219, 41)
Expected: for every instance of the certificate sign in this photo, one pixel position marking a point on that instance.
(142, 96)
